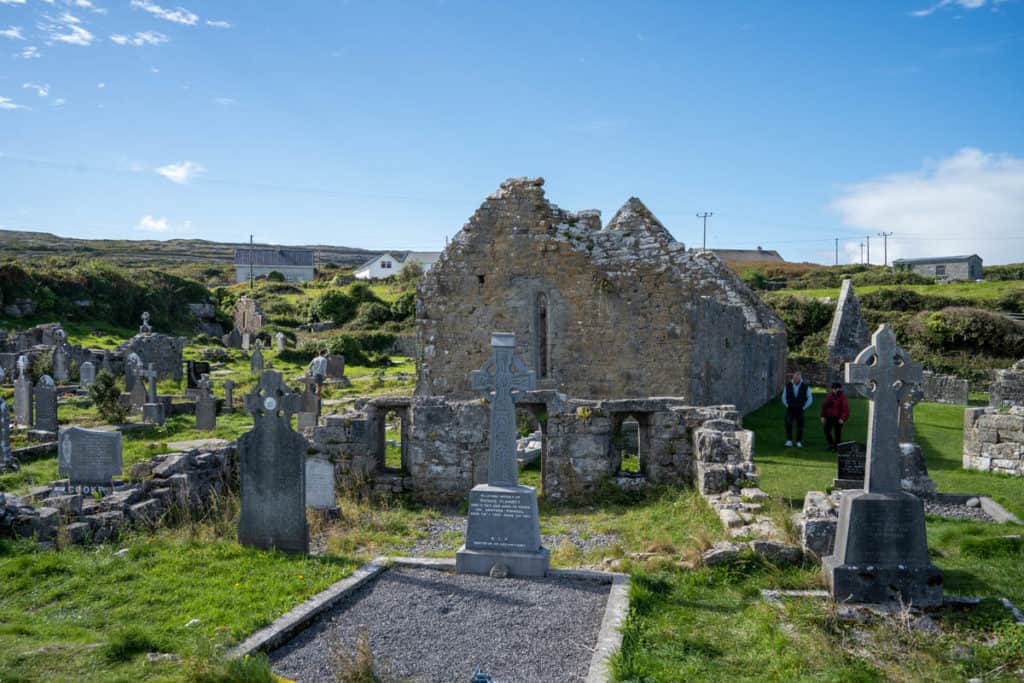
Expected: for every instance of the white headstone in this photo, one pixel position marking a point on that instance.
(320, 484)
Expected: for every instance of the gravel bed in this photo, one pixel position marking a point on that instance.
(434, 625)
(437, 540)
(952, 511)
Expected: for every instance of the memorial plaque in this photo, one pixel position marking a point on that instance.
(320, 484)
(851, 460)
(503, 519)
(88, 457)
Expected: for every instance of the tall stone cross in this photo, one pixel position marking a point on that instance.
(501, 380)
(145, 327)
(883, 371)
(272, 397)
(150, 374)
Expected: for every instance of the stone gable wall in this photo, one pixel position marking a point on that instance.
(630, 312)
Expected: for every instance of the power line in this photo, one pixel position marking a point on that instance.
(705, 216)
(885, 246)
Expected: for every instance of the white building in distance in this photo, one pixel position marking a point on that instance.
(392, 263)
(297, 265)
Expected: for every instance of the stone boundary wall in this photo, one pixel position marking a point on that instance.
(1008, 386)
(183, 481)
(815, 372)
(945, 388)
(994, 441)
(445, 445)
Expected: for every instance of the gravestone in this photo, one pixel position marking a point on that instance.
(305, 420)
(86, 375)
(60, 358)
(206, 407)
(272, 470)
(881, 549)
(310, 401)
(908, 399)
(246, 341)
(504, 524)
(256, 360)
(320, 484)
(229, 397)
(145, 327)
(23, 395)
(8, 463)
(233, 339)
(335, 366)
(138, 392)
(132, 365)
(194, 371)
(88, 457)
(152, 409)
(46, 405)
(105, 363)
(851, 461)
(281, 341)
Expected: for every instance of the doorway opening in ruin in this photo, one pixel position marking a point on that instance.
(393, 453)
(531, 443)
(629, 444)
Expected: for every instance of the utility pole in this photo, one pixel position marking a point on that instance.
(706, 215)
(885, 246)
(251, 277)
(837, 251)
(862, 253)
(868, 239)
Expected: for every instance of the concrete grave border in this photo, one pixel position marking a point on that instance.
(285, 627)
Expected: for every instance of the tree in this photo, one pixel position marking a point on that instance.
(105, 393)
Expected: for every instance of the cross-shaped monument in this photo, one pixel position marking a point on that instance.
(881, 550)
(145, 327)
(150, 375)
(503, 530)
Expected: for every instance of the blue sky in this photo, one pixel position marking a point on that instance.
(385, 124)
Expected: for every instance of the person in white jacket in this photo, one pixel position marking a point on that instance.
(797, 398)
(318, 368)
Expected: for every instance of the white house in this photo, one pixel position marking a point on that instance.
(392, 262)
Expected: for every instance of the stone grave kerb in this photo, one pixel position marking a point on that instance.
(501, 381)
(883, 371)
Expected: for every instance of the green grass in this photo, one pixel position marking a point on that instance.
(984, 292)
(84, 614)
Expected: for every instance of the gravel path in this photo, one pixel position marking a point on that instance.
(438, 537)
(956, 511)
(433, 625)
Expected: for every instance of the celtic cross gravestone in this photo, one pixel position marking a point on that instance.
(504, 524)
(881, 550)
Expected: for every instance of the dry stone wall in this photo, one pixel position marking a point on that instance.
(622, 311)
(1008, 387)
(994, 441)
(945, 388)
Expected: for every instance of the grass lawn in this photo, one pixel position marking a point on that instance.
(986, 293)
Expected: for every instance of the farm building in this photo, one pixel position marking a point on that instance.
(945, 268)
(297, 265)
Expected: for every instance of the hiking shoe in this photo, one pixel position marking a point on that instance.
(789, 444)
(799, 444)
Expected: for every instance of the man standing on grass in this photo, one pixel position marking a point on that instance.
(835, 410)
(318, 368)
(797, 398)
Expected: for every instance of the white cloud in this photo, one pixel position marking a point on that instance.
(179, 15)
(218, 24)
(140, 38)
(970, 202)
(67, 29)
(30, 52)
(101, 86)
(12, 2)
(224, 100)
(59, 102)
(41, 90)
(962, 4)
(7, 103)
(150, 224)
(12, 32)
(181, 173)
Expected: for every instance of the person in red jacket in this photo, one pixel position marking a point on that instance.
(835, 410)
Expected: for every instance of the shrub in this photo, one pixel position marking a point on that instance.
(803, 317)
(410, 275)
(334, 306)
(1011, 271)
(404, 307)
(902, 299)
(360, 292)
(371, 315)
(1012, 302)
(275, 276)
(105, 393)
(970, 330)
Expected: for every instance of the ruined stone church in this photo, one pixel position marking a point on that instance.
(620, 311)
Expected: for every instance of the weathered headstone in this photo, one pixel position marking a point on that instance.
(909, 397)
(229, 397)
(851, 460)
(46, 405)
(206, 407)
(504, 524)
(272, 471)
(145, 327)
(881, 549)
(246, 341)
(132, 365)
(89, 457)
(23, 395)
(60, 357)
(8, 462)
(310, 401)
(849, 333)
(194, 371)
(320, 484)
(105, 363)
(86, 375)
(306, 420)
(335, 366)
(138, 392)
(233, 339)
(149, 375)
(281, 341)
(256, 360)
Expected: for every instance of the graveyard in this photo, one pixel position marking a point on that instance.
(185, 505)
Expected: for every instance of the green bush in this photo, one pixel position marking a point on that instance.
(803, 317)
(371, 315)
(334, 306)
(1012, 302)
(1011, 271)
(275, 276)
(362, 293)
(368, 348)
(105, 393)
(902, 299)
(404, 307)
(970, 330)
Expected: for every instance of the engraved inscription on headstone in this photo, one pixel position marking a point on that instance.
(320, 484)
(46, 405)
(89, 457)
(851, 460)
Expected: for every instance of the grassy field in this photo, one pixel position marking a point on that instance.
(983, 292)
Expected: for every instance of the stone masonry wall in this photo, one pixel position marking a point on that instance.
(945, 388)
(994, 441)
(1008, 387)
(622, 311)
(164, 351)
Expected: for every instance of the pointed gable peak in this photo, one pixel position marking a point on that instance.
(635, 218)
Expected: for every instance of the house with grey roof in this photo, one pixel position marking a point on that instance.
(297, 265)
(392, 263)
(748, 255)
(943, 268)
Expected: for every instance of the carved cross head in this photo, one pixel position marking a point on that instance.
(272, 397)
(883, 366)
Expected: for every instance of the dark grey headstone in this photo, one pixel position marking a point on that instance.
(23, 401)
(881, 548)
(150, 376)
(194, 372)
(46, 405)
(233, 339)
(310, 401)
(132, 365)
(320, 484)
(7, 460)
(229, 397)
(154, 413)
(335, 366)
(851, 459)
(88, 457)
(256, 360)
(272, 470)
(206, 412)
(504, 525)
(138, 393)
(86, 374)
(60, 365)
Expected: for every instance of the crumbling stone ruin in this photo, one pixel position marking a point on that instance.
(162, 351)
(1008, 387)
(621, 311)
(994, 440)
(945, 388)
(849, 333)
